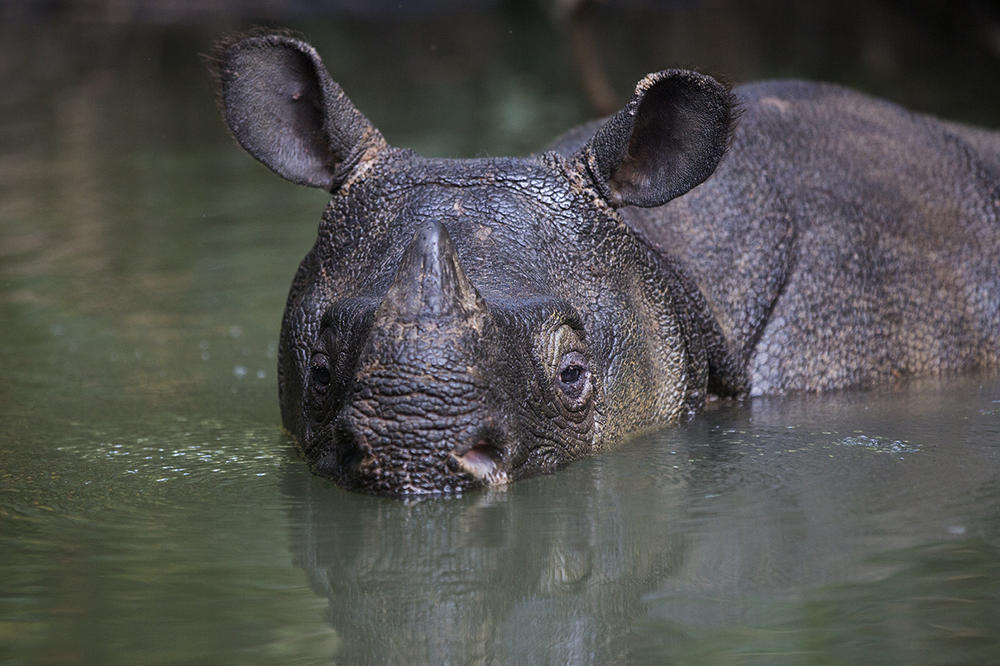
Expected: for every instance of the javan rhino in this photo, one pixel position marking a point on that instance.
(470, 322)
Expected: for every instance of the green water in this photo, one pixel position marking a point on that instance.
(152, 511)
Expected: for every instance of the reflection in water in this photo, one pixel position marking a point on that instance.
(783, 527)
(518, 576)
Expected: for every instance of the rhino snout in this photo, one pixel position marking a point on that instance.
(400, 452)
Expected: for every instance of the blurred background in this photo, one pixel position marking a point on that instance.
(467, 77)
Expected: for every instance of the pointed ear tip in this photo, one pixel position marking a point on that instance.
(223, 59)
(729, 106)
(699, 80)
(229, 44)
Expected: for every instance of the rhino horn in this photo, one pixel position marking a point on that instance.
(430, 282)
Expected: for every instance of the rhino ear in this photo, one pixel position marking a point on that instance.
(282, 106)
(667, 139)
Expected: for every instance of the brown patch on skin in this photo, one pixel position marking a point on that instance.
(643, 86)
(577, 175)
(374, 147)
(779, 104)
(628, 176)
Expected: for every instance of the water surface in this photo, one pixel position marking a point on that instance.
(151, 509)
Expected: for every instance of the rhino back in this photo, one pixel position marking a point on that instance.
(842, 241)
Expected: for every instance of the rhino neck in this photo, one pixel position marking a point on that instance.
(730, 287)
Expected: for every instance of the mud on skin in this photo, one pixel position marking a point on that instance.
(461, 323)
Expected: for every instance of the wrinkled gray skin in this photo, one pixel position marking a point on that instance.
(470, 322)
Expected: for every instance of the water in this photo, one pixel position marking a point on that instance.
(151, 509)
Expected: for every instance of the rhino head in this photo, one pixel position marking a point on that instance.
(461, 323)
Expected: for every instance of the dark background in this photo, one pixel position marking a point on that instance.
(489, 76)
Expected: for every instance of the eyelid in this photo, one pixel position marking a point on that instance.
(574, 322)
(566, 339)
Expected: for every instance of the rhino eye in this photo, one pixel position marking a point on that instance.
(319, 372)
(573, 379)
(570, 374)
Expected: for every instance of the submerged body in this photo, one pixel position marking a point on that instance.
(470, 322)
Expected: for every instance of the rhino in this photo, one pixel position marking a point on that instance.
(468, 322)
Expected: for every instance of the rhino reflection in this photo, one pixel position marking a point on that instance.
(697, 529)
(512, 576)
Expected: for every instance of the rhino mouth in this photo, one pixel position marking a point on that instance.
(357, 461)
(483, 461)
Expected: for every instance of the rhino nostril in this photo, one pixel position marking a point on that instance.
(350, 451)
